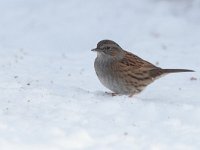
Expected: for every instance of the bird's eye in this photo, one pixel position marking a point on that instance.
(107, 48)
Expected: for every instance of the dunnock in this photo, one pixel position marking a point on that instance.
(123, 72)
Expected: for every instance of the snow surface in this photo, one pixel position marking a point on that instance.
(50, 97)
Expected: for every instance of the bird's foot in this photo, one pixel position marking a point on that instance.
(134, 93)
(131, 95)
(112, 94)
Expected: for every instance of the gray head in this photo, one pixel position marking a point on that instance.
(109, 49)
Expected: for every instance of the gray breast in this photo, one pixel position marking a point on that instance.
(108, 77)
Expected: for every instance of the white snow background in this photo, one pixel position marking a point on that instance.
(51, 98)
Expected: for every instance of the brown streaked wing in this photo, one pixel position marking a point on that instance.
(135, 62)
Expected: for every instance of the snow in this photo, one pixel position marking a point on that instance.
(50, 97)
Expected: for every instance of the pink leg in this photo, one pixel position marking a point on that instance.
(113, 94)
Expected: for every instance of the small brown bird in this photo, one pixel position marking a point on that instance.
(123, 72)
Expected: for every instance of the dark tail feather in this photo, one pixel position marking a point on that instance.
(176, 70)
(158, 72)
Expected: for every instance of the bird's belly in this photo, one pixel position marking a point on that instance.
(112, 81)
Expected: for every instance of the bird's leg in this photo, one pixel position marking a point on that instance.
(134, 93)
(131, 95)
(112, 94)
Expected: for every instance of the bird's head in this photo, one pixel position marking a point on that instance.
(109, 49)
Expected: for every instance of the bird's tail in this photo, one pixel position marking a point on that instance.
(176, 70)
(159, 72)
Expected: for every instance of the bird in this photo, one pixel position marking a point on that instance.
(124, 73)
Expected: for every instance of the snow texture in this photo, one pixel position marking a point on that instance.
(51, 98)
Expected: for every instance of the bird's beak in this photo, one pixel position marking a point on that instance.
(94, 50)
